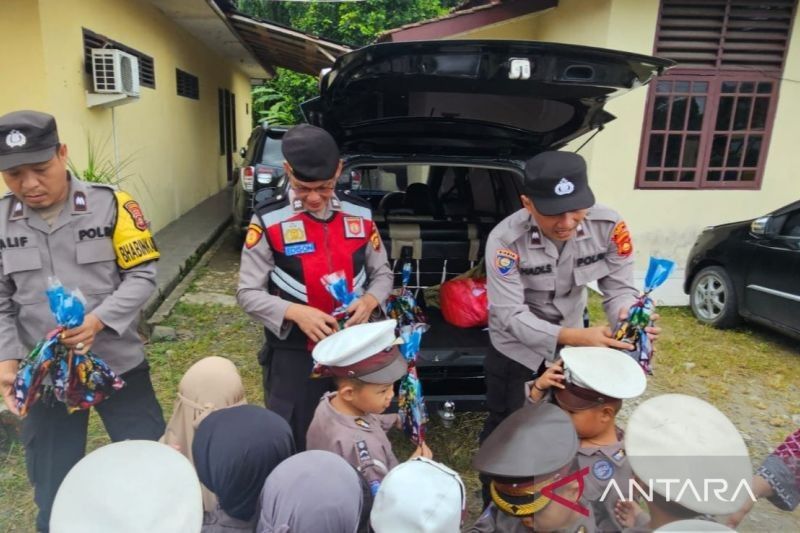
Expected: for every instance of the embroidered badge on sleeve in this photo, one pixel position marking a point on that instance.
(622, 238)
(254, 233)
(133, 242)
(504, 261)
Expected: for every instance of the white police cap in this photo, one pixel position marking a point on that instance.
(690, 453)
(364, 351)
(596, 375)
(419, 495)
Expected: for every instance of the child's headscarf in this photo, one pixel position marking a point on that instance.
(127, 487)
(211, 383)
(234, 451)
(314, 491)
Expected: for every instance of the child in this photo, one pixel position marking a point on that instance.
(692, 458)
(364, 362)
(530, 454)
(589, 384)
(437, 506)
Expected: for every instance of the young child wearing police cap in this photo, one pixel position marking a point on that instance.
(589, 384)
(693, 460)
(530, 459)
(365, 362)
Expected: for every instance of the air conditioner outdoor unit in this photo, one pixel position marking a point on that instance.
(115, 72)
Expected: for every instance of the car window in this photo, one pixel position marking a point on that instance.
(272, 154)
(791, 228)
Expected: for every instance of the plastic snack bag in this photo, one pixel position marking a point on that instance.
(632, 329)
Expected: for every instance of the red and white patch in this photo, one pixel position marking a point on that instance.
(354, 228)
(133, 209)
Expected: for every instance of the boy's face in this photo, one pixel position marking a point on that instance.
(372, 398)
(555, 516)
(592, 422)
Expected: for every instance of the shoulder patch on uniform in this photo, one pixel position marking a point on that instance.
(375, 238)
(505, 261)
(271, 204)
(254, 233)
(622, 238)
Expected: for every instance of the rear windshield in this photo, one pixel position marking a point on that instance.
(272, 154)
(435, 191)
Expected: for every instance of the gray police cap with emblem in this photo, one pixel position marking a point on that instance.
(27, 137)
(533, 441)
(556, 182)
(311, 152)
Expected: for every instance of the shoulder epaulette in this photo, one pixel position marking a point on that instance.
(103, 186)
(601, 212)
(272, 204)
(348, 196)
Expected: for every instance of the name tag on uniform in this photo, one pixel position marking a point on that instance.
(298, 249)
(293, 232)
(354, 228)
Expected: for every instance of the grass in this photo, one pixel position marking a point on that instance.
(750, 373)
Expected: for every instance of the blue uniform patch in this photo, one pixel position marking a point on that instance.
(504, 261)
(603, 470)
(298, 249)
(374, 486)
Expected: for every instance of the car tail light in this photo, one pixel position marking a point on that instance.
(247, 178)
(264, 175)
(355, 179)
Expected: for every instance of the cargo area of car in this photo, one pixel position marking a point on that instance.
(437, 217)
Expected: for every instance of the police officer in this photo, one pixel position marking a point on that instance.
(291, 243)
(539, 261)
(535, 483)
(93, 239)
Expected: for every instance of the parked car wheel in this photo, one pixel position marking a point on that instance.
(713, 298)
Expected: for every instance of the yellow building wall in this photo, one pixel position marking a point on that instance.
(171, 142)
(663, 222)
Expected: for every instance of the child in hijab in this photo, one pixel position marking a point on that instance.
(315, 492)
(211, 383)
(133, 486)
(234, 451)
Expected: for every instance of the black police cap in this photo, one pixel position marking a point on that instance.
(556, 182)
(27, 137)
(311, 152)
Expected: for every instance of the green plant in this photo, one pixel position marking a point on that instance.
(99, 167)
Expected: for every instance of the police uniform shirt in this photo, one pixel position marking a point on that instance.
(493, 520)
(534, 290)
(605, 463)
(78, 249)
(258, 270)
(360, 440)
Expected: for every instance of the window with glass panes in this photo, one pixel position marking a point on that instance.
(709, 119)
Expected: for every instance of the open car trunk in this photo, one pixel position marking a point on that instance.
(437, 217)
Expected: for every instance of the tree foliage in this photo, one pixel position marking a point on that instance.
(352, 23)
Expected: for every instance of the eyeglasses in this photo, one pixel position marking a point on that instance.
(302, 190)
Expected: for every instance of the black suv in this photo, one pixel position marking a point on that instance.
(435, 136)
(261, 173)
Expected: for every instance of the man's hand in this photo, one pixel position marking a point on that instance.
(360, 310)
(314, 323)
(81, 338)
(8, 372)
(596, 336)
(653, 331)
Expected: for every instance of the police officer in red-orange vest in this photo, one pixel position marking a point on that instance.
(292, 242)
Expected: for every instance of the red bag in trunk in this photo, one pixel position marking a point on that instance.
(464, 302)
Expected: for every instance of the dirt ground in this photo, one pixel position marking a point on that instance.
(750, 373)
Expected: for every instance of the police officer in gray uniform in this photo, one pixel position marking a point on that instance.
(54, 225)
(292, 242)
(539, 261)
